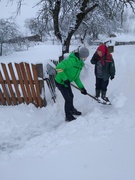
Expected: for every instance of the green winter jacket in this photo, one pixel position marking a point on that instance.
(70, 69)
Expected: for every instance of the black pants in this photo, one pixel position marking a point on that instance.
(68, 97)
(101, 84)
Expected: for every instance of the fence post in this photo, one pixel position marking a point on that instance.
(39, 68)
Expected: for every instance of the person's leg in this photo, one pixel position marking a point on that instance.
(73, 110)
(98, 87)
(104, 89)
(104, 85)
(68, 97)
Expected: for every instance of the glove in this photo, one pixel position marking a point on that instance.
(83, 91)
(67, 82)
(112, 77)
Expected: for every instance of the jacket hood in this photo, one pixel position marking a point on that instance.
(72, 55)
(103, 49)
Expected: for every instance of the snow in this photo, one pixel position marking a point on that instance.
(37, 143)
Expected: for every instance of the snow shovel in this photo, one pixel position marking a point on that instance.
(93, 97)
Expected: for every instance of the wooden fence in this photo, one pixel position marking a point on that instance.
(22, 83)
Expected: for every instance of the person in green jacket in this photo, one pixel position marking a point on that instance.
(68, 71)
(104, 69)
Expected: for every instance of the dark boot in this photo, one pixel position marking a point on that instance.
(75, 112)
(69, 117)
(103, 96)
(97, 93)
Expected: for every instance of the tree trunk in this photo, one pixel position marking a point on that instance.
(65, 47)
(79, 18)
(0, 49)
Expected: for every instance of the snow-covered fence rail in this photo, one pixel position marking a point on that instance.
(118, 43)
(22, 83)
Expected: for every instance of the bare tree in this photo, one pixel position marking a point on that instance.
(99, 22)
(67, 16)
(8, 30)
(36, 26)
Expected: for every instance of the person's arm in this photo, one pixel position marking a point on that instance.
(79, 83)
(94, 59)
(112, 70)
(80, 86)
(60, 71)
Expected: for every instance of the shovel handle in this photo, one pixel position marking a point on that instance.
(80, 90)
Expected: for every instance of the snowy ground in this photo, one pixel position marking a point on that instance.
(37, 144)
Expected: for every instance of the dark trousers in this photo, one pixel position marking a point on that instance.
(68, 97)
(101, 84)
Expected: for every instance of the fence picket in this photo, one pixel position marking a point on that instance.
(32, 84)
(21, 83)
(2, 98)
(5, 89)
(12, 93)
(36, 84)
(15, 83)
(24, 74)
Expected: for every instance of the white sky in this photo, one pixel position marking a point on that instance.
(27, 10)
(38, 144)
